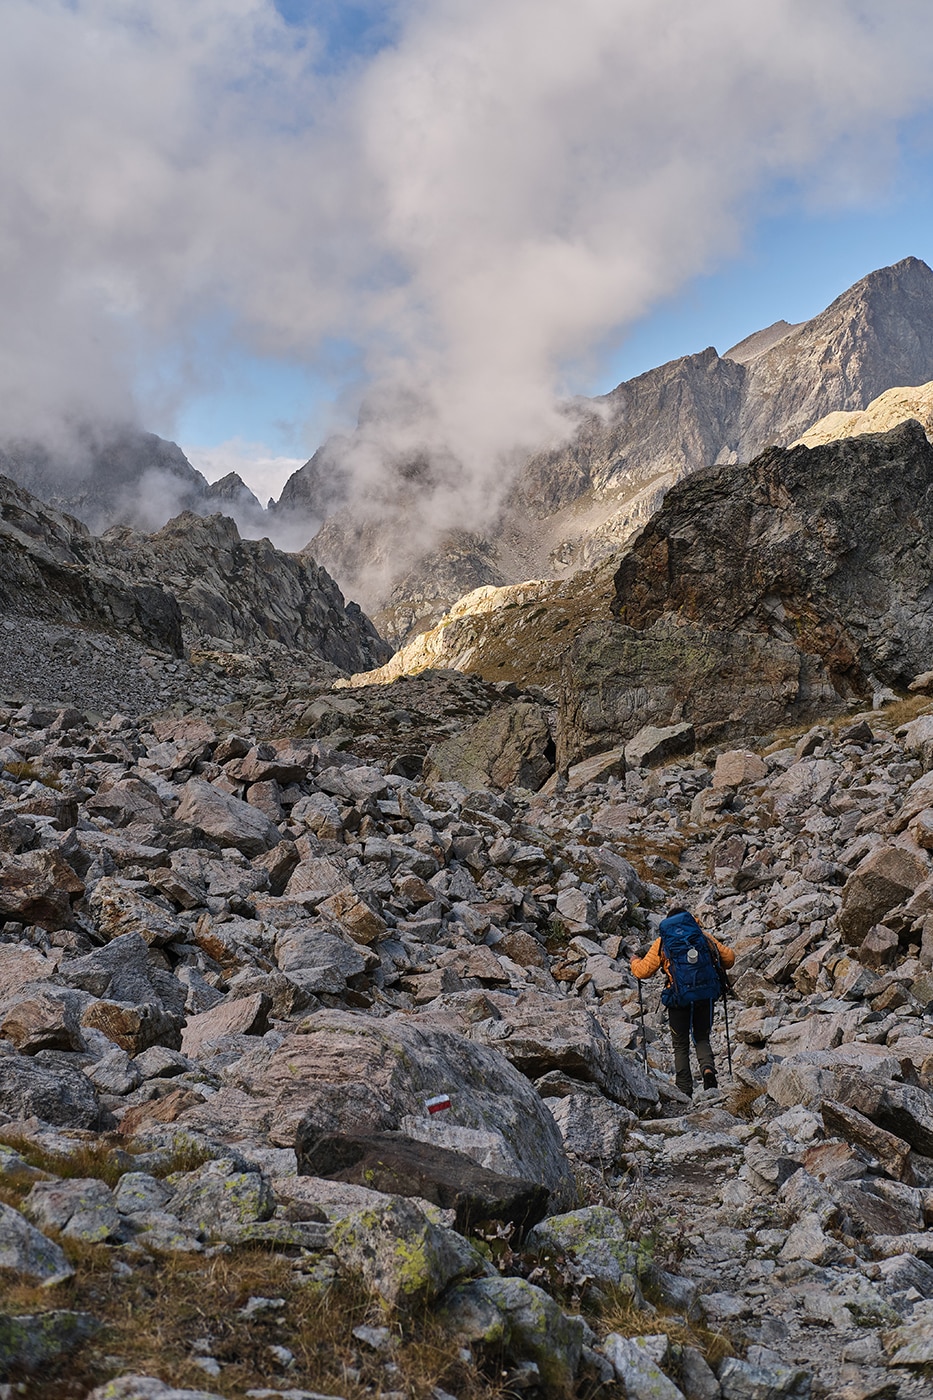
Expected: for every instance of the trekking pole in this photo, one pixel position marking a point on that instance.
(724, 986)
(644, 1035)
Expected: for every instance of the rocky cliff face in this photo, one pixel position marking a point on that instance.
(246, 594)
(80, 610)
(572, 507)
(52, 568)
(757, 596)
(829, 549)
(786, 587)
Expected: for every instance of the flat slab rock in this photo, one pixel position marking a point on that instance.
(399, 1165)
(245, 1016)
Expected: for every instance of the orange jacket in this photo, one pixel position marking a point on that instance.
(654, 958)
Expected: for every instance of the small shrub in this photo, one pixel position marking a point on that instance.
(742, 1098)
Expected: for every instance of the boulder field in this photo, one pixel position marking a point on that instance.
(372, 1040)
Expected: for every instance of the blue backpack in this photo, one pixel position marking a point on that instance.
(694, 963)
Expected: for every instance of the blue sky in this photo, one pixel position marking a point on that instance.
(792, 266)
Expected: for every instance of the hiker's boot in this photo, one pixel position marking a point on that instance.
(709, 1079)
(684, 1083)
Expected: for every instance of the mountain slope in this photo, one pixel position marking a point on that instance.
(571, 507)
(193, 583)
(759, 595)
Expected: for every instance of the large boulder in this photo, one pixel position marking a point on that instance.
(887, 877)
(540, 1035)
(41, 1021)
(813, 1075)
(225, 818)
(652, 745)
(21, 965)
(125, 970)
(317, 960)
(597, 1242)
(133, 1026)
(637, 1369)
(242, 1016)
(513, 744)
(117, 908)
(59, 1095)
(128, 800)
(81, 1208)
(345, 1073)
(404, 1257)
(402, 1166)
(903, 1110)
(516, 1319)
(28, 1341)
(736, 767)
(219, 1196)
(39, 887)
(25, 1250)
(592, 1128)
(740, 1380)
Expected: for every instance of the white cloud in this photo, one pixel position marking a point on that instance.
(475, 205)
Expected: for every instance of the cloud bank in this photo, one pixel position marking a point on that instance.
(474, 206)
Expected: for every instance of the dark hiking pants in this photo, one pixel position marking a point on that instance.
(696, 1019)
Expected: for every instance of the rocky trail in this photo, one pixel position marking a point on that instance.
(321, 1076)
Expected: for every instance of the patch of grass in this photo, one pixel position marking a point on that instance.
(621, 1314)
(106, 1157)
(742, 1097)
(170, 1309)
(557, 936)
(893, 716)
(908, 707)
(28, 772)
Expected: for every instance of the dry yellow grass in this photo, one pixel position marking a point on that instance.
(908, 707)
(28, 772)
(106, 1157)
(621, 1315)
(156, 1319)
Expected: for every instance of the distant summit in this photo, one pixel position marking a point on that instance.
(119, 475)
(760, 341)
(574, 506)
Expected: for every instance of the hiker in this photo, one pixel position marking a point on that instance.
(692, 961)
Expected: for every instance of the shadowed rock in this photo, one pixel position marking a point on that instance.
(398, 1165)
